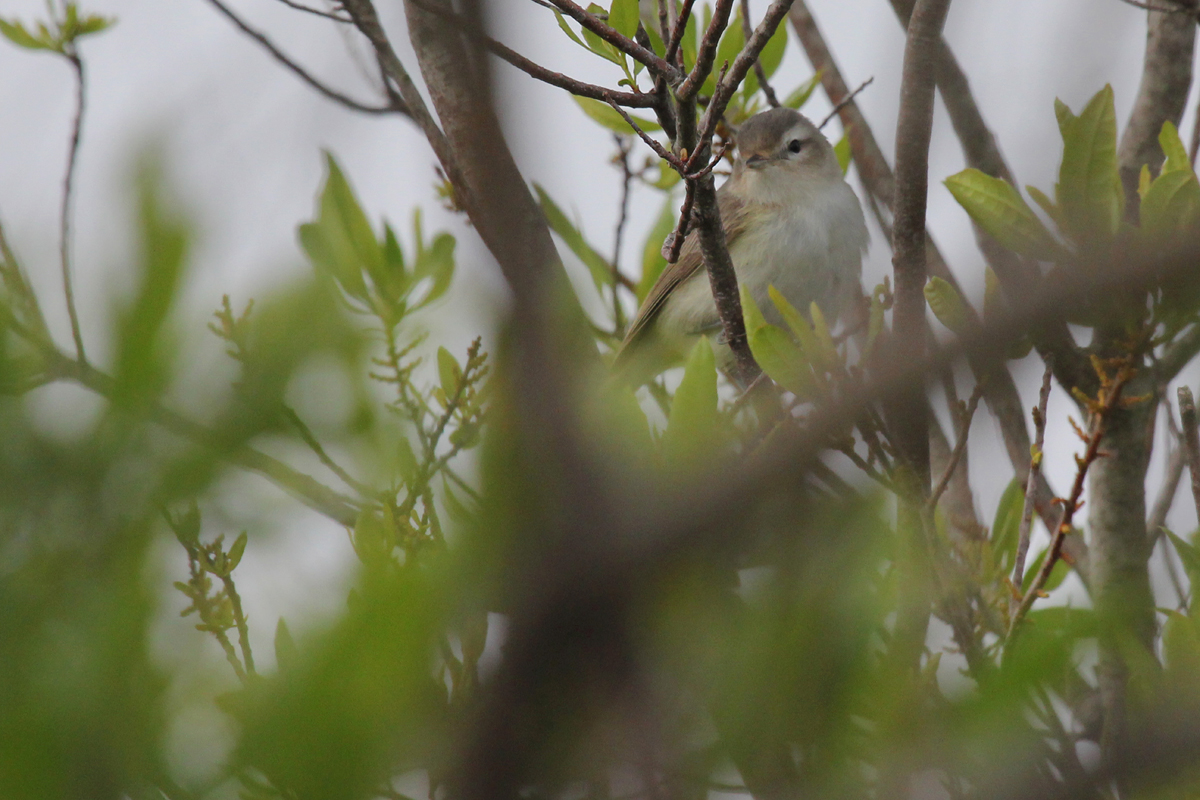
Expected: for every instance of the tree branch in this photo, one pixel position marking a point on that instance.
(1166, 78)
(622, 43)
(580, 88)
(1035, 470)
(303, 74)
(909, 421)
(68, 187)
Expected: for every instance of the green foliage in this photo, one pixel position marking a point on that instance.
(946, 304)
(598, 266)
(999, 209)
(59, 34)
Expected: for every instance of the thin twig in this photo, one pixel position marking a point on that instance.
(847, 100)
(67, 194)
(759, 71)
(537, 71)
(239, 618)
(960, 447)
(302, 73)
(706, 52)
(623, 147)
(1166, 498)
(309, 439)
(1191, 439)
(1107, 402)
(674, 242)
(677, 34)
(1035, 469)
(622, 43)
(318, 12)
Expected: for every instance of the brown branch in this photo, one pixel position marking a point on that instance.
(316, 11)
(67, 193)
(534, 70)
(706, 52)
(302, 73)
(876, 174)
(1166, 79)
(960, 446)
(909, 422)
(622, 43)
(1103, 408)
(1191, 439)
(685, 12)
(847, 100)
(1035, 470)
(759, 71)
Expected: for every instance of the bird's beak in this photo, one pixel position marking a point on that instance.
(757, 161)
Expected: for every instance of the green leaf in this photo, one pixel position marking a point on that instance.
(562, 23)
(653, 262)
(285, 646)
(801, 93)
(1089, 186)
(236, 552)
(1181, 647)
(436, 261)
(1058, 573)
(810, 344)
(946, 304)
(691, 426)
(1064, 115)
(728, 48)
(772, 54)
(774, 350)
(598, 266)
(1171, 204)
(1006, 526)
(15, 32)
(93, 24)
(595, 43)
(1173, 149)
(842, 151)
(449, 372)
(1000, 210)
(406, 460)
(1047, 205)
(346, 215)
(1188, 554)
(623, 16)
(607, 116)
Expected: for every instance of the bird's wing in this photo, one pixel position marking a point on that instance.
(733, 220)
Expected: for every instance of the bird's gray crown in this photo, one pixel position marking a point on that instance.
(765, 131)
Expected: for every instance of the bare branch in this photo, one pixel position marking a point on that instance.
(1035, 470)
(316, 11)
(1191, 439)
(845, 102)
(680, 27)
(908, 414)
(759, 71)
(576, 87)
(622, 43)
(960, 447)
(706, 52)
(302, 73)
(68, 187)
(1166, 79)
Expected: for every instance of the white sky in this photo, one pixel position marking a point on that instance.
(243, 140)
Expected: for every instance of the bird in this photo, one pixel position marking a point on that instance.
(791, 221)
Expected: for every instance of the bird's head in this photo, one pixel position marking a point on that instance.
(782, 144)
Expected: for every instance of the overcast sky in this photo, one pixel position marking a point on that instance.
(243, 141)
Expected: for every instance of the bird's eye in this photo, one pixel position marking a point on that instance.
(794, 145)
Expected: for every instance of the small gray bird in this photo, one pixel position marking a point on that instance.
(791, 221)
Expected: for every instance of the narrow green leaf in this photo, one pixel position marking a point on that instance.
(15, 32)
(623, 16)
(827, 354)
(1065, 117)
(801, 93)
(1047, 205)
(688, 439)
(1188, 554)
(1181, 647)
(406, 460)
(595, 43)
(93, 24)
(772, 54)
(946, 304)
(728, 48)
(1089, 186)
(449, 372)
(607, 116)
(1058, 573)
(801, 329)
(1173, 149)
(562, 23)
(842, 151)
(1001, 211)
(774, 350)
(1006, 526)
(345, 212)
(597, 265)
(236, 552)
(653, 262)
(1171, 204)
